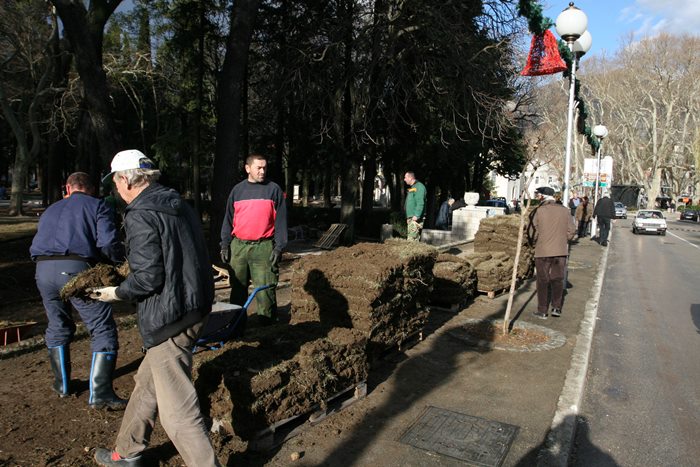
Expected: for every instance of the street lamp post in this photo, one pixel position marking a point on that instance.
(601, 132)
(571, 25)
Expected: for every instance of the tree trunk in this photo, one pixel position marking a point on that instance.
(368, 183)
(56, 140)
(430, 191)
(350, 165)
(327, 185)
(84, 30)
(654, 187)
(228, 126)
(21, 165)
(516, 262)
(196, 140)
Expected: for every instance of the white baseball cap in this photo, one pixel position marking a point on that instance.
(127, 160)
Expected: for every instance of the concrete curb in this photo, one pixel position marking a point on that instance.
(557, 447)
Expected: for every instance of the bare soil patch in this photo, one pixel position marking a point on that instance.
(493, 332)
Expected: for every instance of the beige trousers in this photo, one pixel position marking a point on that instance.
(164, 387)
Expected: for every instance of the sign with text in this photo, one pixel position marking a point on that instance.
(590, 169)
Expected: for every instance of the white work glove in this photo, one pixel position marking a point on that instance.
(104, 294)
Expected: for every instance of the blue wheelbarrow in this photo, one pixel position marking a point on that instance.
(226, 321)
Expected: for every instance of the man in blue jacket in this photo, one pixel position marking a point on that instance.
(74, 234)
(171, 279)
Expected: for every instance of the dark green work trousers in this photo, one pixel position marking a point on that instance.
(250, 261)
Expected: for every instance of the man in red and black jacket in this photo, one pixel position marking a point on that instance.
(253, 235)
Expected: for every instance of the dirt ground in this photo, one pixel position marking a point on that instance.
(37, 428)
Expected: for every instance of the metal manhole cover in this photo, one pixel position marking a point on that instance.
(470, 439)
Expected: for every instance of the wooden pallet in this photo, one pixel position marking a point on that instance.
(331, 237)
(453, 308)
(495, 293)
(377, 354)
(410, 340)
(279, 432)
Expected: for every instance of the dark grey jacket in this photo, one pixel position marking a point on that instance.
(604, 208)
(171, 277)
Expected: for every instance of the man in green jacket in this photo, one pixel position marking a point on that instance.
(415, 206)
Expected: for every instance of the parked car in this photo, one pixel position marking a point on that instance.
(497, 203)
(689, 215)
(649, 221)
(620, 211)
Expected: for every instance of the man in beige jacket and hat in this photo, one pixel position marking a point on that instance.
(554, 228)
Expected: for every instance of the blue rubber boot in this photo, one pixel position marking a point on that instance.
(102, 395)
(60, 365)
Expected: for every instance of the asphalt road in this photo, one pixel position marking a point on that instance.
(641, 404)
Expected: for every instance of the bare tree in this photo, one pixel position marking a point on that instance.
(25, 68)
(84, 29)
(650, 98)
(232, 81)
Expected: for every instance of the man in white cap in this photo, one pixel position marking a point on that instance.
(554, 228)
(170, 278)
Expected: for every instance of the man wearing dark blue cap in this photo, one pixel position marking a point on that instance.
(554, 228)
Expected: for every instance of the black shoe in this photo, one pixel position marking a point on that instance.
(106, 457)
(604, 244)
(556, 312)
(539, 315)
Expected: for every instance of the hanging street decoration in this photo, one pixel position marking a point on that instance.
(544, 56)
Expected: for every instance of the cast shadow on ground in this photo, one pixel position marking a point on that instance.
(425, 372)
(333, 306)
(695, 316)
(517, 315)
(583, 453)
(278, 343)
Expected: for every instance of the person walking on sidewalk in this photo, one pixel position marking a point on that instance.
(253, 235)
(604, 212)
(73, 235)
(415, 206)
(554, 228)
(170, 277)
(584, 212)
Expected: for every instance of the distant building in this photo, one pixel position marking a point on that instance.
(510, 189)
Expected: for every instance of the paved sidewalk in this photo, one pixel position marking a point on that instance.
(536, 391)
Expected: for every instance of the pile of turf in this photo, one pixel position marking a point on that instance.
(100, 275)
(278, 372)
(493, 270)
(455, 280)
(500, 234)
(379, 289)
